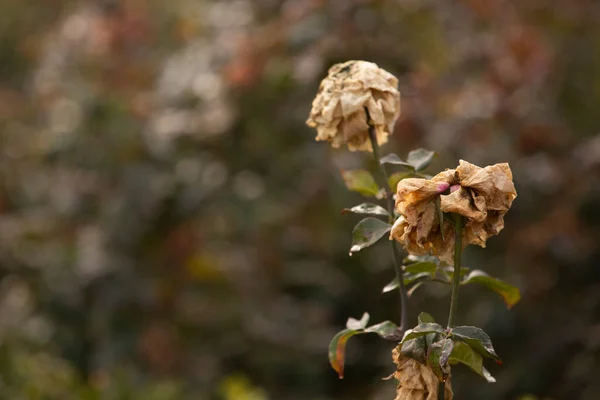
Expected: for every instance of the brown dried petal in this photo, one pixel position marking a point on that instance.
(338, 111)
(407, 235)
(479, 232)
(493, 182)
(417, 381)
(412, 191)
(463, 202)
(449, 176)
(419, 232)
(481, 195)
(425, 222)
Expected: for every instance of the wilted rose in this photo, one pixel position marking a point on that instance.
(481, 195)
(338, 111)
(417, 381)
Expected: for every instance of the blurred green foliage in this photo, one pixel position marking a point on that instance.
(169, 229)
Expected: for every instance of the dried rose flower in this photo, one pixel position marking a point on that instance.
(338, 111)
(417, 381)
(481, 195)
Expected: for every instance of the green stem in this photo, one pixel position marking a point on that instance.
(458, 233)
(390, 208)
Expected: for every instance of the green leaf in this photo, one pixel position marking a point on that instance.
(421, 266)
(337, 346)
(437, 358)
(420, 158)
(425, 318)
(337, 349)
(356, 324)
(367, 232)
(394, 159)
(390, 286)
(414, 288)
(397, 177)
(422, 330)
(386, 329)
(409, 279)
(420, 270)
(414, 272)
(433, 360)
(509, 293)
(448, 271)
(416, 349)
(361, 181)
(367, 208)
(464, 354)
(477, 339)
(447, 346)
(413, 259)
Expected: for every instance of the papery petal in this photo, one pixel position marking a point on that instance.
(426, 222)
(413, 190)
(417, 381)
(493, 182)
(338, 110)
(463, 202)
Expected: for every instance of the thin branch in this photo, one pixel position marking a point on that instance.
(458, 225)
(390, 208)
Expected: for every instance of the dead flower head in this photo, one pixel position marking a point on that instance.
(338, 111)
(481, 195)
(417, 381)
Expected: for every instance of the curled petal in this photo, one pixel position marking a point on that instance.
(465, 203)
(338, 111)
(411, 191)
(448, 176)
(493, 182)
(426, 223)
(481, 195)
(417, 381)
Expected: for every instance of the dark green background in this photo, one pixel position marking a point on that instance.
(170, 230)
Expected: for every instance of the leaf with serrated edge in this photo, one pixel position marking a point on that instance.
(421, 330)
(420, 158)
(367, 208)
(367, 232)
(394, 159)
(464, 354)
(477, 339)
(361, 181)
(509, 293)
(356, 324)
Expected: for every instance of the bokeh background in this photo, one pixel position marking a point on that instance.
(170, 230)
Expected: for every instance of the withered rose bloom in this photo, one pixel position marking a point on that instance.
(481, 195)
(338, 111)
(417, 381)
